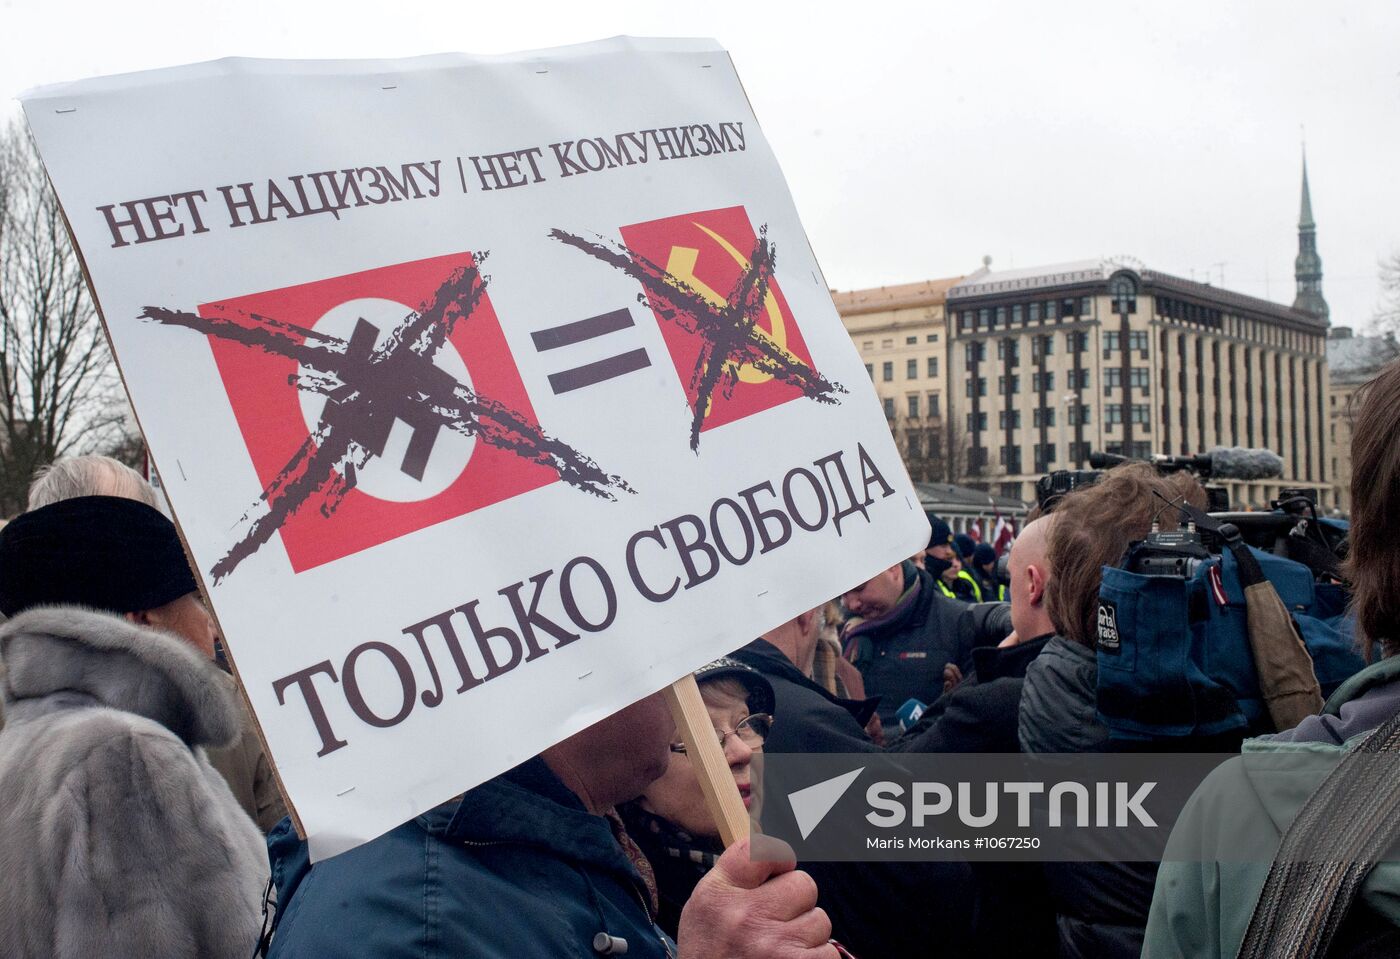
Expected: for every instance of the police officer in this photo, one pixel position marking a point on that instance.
(944, 565)
(984, 569)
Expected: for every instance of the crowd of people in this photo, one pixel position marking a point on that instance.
(139, 816)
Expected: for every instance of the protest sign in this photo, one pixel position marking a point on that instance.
(491, 394)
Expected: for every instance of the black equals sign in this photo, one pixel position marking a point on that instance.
(589, 329)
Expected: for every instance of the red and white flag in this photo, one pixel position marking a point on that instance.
(1003, 534)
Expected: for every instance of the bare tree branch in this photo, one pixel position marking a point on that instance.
(59, 392)
(1387, 315)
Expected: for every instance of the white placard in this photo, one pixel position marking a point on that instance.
(422, 349)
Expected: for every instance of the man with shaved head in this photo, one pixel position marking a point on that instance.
(1029, 568)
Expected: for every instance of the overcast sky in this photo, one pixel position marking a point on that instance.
(919, 137)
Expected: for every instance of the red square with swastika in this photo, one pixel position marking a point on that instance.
(710, 252)
(418, 471)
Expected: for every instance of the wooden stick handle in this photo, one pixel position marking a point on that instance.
(702, 746)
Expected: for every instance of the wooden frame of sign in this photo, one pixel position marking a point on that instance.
(711, 768)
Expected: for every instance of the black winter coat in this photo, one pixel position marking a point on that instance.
(901, 656)
(980, 715)
(879, 910)
(1101, 906)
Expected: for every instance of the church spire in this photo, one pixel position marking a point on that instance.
(1307, 268)
(1305, 219)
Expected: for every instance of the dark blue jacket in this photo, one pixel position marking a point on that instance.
(515, 869)
(902, 654)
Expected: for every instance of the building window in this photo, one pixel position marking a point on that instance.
(1045, 416)
(868, 345)
(870, 371)
(1137, 340)
(976, 422)
(1010, 457)
(889, 408)
(1112, 378)
(916, 447)
(1113, 414)
(910, 340)
(1043, 382)
(1078, 379)
(1050, 309)
(887, 371)
(1086, 307)
(914, 407)
(1076, 341)
(1000, 317)
(1138, 376)
(1016, 313)
(976, 386)
(1033, 312)
(911, 369)
(1141, 415)
(1008, 384)
(886, 344)
(964, 321)
(1078, 452)
(932, 366)
(931, 338)
(984, 318)
(1044, 457)
(1010, 418)
(935, 409)
(1110, 342)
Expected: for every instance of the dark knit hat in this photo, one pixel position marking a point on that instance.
(102, 552)
(942, 533)
(964, 544)
(984, 554)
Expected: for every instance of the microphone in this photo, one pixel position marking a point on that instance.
(1226, 462)
(1106, 461)
(1222, 462)
(909, 714)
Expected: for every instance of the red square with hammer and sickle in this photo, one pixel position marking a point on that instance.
(710, 252)
(416, 471)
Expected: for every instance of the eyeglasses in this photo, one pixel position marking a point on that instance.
(751, 732)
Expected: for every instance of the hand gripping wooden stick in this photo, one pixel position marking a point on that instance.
(702, 746)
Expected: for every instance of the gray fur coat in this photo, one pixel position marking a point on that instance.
(117, 838)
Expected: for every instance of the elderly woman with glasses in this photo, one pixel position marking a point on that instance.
(669, 821)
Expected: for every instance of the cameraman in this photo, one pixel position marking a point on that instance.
(1101, 906)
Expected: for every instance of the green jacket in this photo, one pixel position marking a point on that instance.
(1219, 853)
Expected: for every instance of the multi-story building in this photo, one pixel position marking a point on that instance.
(999, 377)
(1352, 361)
(1056, 362)
(901, 333)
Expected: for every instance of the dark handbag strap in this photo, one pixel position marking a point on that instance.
(1355, 817)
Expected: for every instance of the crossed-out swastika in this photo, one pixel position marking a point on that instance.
(368, 388)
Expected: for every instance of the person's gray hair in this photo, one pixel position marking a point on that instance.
(89, 475)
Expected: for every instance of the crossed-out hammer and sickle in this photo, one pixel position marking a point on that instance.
(681, 264)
